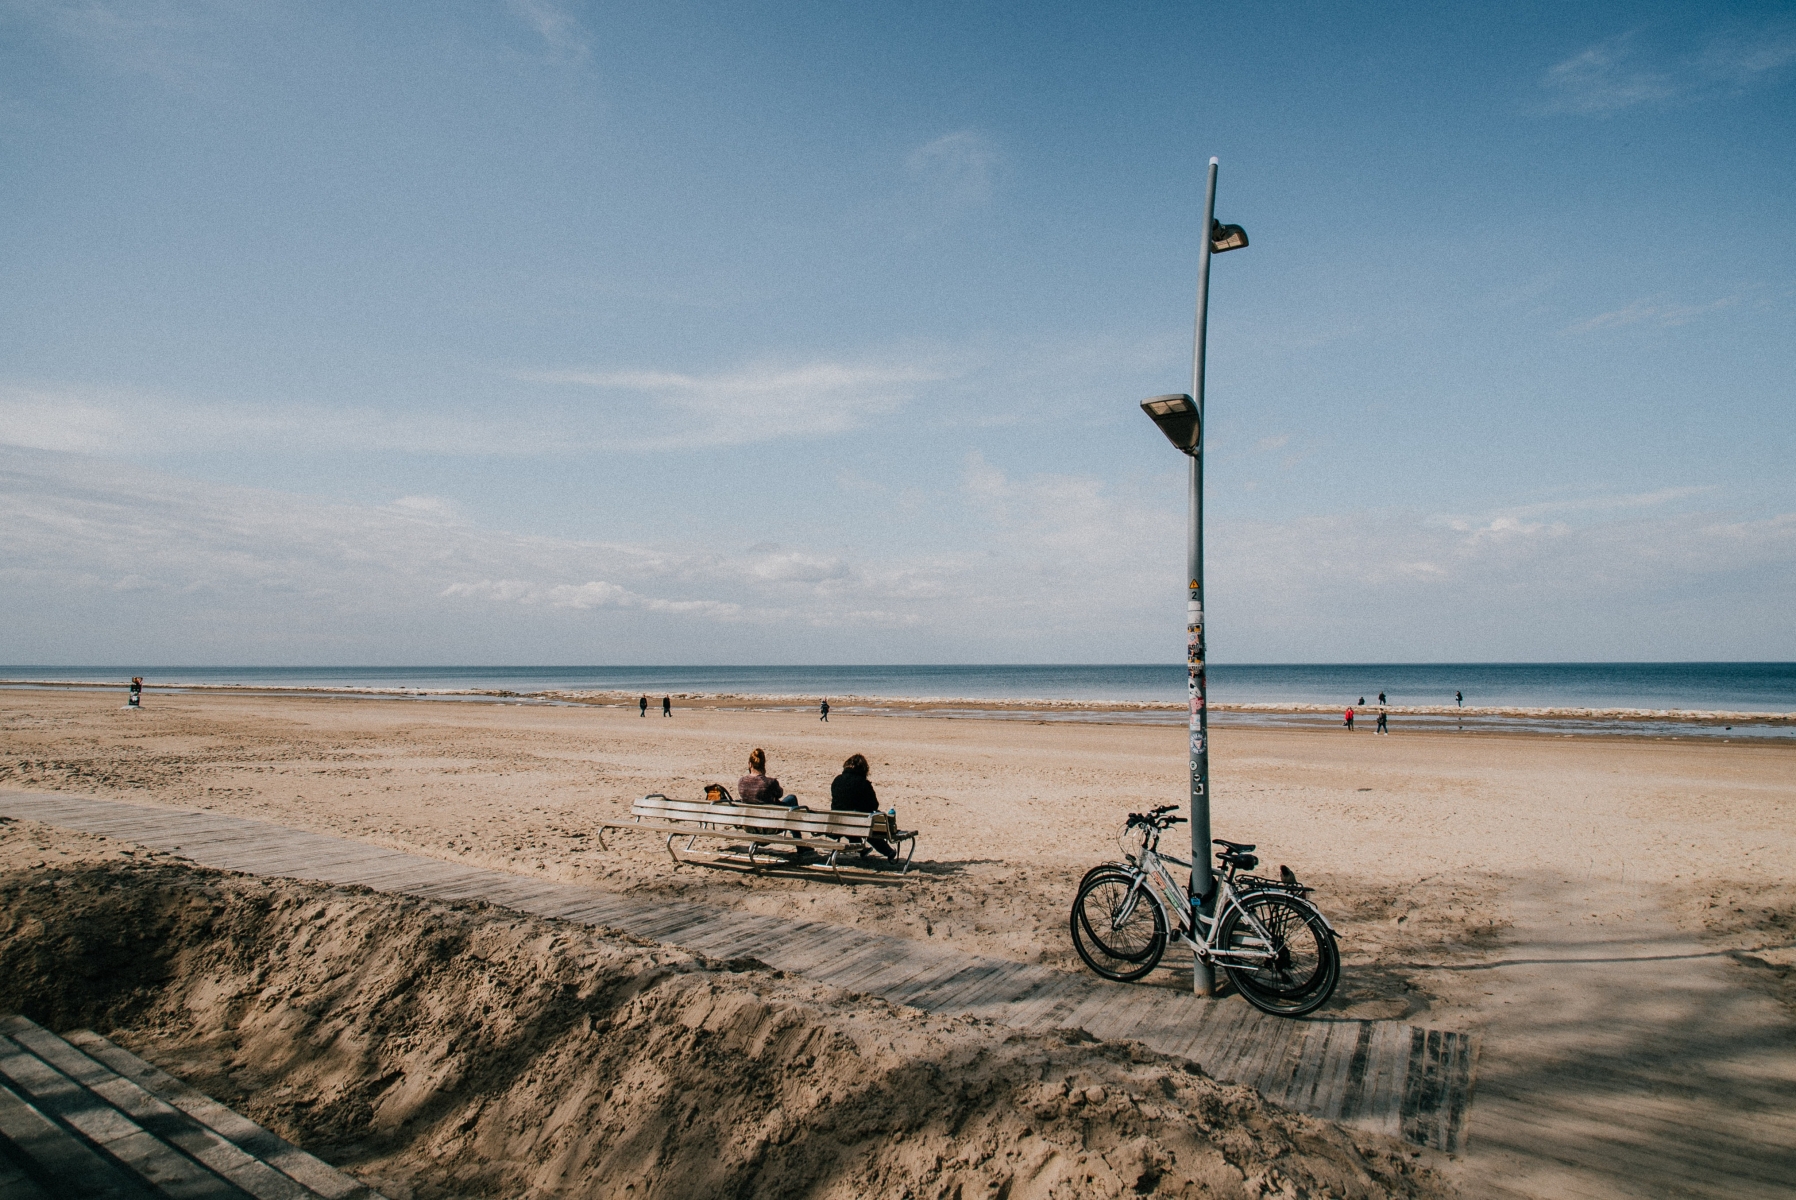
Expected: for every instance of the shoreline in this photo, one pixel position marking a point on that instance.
(1548, 719)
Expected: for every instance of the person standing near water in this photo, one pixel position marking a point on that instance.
(1383, 726)
(1349, 715)
(667, 706)
(136, 700)
(1381, 697)
(1459, 699)
(642, 706)
(823, 710)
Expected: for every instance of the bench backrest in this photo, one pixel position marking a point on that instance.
(776, 817)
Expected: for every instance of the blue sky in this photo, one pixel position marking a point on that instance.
(536, 332)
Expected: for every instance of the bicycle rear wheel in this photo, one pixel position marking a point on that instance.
(1303, 964)
(1118, 930)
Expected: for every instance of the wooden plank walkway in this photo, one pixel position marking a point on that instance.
(81, 1117)
(1400, 1080)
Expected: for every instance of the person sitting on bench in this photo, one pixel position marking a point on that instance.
(850, 792)
(758, 787)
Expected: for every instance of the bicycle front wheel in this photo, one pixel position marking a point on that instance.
(1301, 963)
(1118, 928)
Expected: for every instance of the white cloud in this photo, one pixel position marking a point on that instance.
(1606, 78)
(100, 561)
(959, 168)
(796, 567)
(439, 507)
(560, 30)
(1592, 503)
(669, 410)
(758, 402)
(157, 38)
(1744, 58)
(592, 594)
(1621, 73)
(1657, 311)
(123, 421)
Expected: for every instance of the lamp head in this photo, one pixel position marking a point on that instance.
(1176, 415)
(1226, 237)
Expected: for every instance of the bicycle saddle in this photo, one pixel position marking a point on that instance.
(1235, 847)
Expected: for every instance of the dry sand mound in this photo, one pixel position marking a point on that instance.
(445, 1050)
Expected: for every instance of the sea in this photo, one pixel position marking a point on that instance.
(1755, 692)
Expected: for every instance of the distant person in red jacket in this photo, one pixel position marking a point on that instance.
(1349, 721)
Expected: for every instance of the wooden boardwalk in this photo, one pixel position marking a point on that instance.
(1391, 1078)
(81, 1117)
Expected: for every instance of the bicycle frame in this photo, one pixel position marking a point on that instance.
(1154, 878)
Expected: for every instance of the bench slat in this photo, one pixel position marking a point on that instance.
(766, 816)
(762, 825)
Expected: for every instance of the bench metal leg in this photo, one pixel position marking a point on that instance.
(908, 854)
(671, 838)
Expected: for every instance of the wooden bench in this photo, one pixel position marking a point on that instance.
(762, 825)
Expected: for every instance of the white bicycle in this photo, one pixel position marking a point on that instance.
(1276, 947)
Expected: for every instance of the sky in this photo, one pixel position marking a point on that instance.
(543, 332)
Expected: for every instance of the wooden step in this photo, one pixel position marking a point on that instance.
(81, 1117)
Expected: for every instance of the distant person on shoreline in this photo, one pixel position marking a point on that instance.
(1362, 702)
(1383, 725)
(667, 706)
(1349, 715)
(136, 700)
(642, 706)
(823, 711)
(1459, 699)
(1381, 697)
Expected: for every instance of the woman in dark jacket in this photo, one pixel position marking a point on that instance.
(850, 792)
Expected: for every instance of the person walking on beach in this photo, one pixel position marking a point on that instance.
(642, 706)
(1349, 715)
(823, 710)
(136, 700)
(1459, 699)
(667, 706)
(1383, 725)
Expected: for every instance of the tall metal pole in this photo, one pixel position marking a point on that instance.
(1203, 977)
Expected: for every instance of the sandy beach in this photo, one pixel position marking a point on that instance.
(1415, 841)
(1437, 855)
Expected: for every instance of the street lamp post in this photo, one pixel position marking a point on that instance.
(1181, 419)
